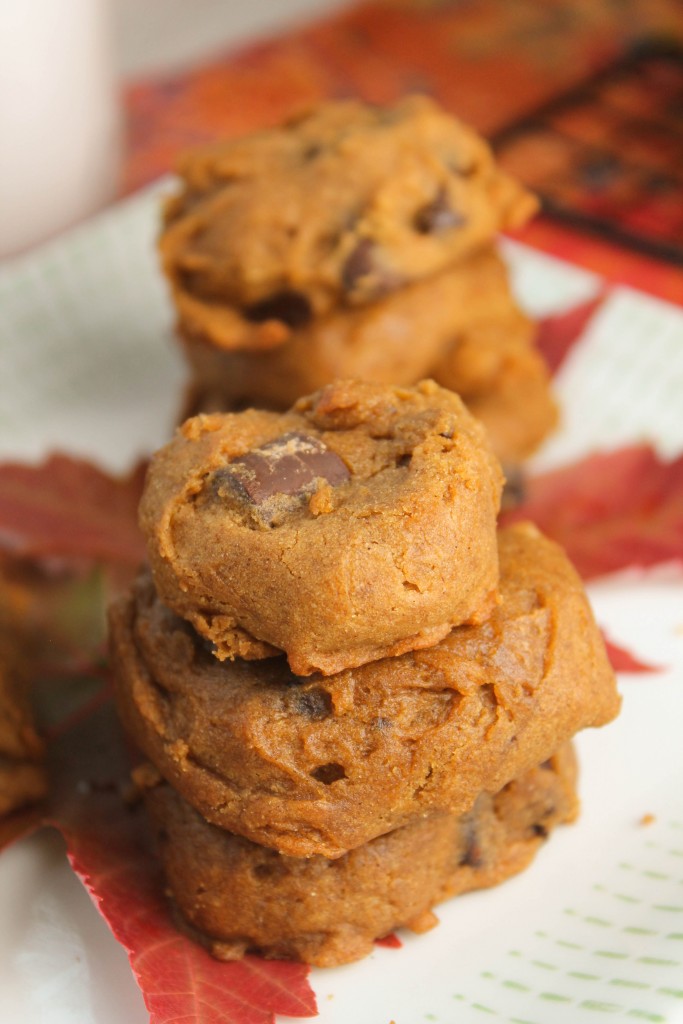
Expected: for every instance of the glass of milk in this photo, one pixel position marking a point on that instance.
(60, 121)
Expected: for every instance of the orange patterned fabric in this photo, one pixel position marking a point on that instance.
(488, 61)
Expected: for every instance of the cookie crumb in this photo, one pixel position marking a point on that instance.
(178, 751)
(647, 819)
(321, 501)
(423, 922)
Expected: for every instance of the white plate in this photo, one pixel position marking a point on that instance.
(594, 929)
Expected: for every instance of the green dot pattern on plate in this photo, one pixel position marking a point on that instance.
(616, 957)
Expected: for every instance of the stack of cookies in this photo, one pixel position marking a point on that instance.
(355, 696)
(354, 242)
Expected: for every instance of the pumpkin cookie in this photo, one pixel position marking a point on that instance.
(238, 897)
(462, 327)
(322, 765)
(504, 382)
(358, 525)
(338, 207)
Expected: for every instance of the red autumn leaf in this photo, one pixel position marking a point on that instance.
(68, 507)
(110, 849)
(623, 661)
(610, 511)
(557, 334)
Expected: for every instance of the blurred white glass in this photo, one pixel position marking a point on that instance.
(60, 122)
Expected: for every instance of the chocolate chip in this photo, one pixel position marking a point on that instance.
(268, 868)
(311, 152)
(472, 856)
(190, 280)
(438, 216)
(290, 307)
(382, 724)
(540, 830)
(315, 704)
(329, 773)
(359, 263)
(271, 480)
(514, 491)
(363, 273)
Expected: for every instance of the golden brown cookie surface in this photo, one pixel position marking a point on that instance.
(381, 540)
(504, 382)
(462, 327)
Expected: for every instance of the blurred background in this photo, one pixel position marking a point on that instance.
(583, 99)
(159, 36)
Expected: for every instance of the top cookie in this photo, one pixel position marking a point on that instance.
(337, 207)
(358, 525)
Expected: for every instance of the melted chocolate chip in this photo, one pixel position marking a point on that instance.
(363, 273)
(311, 152)
(383, 724)
(266, 869)
(472, 856)
(360, 263)
(290, 307)
(274, 478)
(438, 216)
(514, 491)
(540, 830)
(329, 773)
(313, 704)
